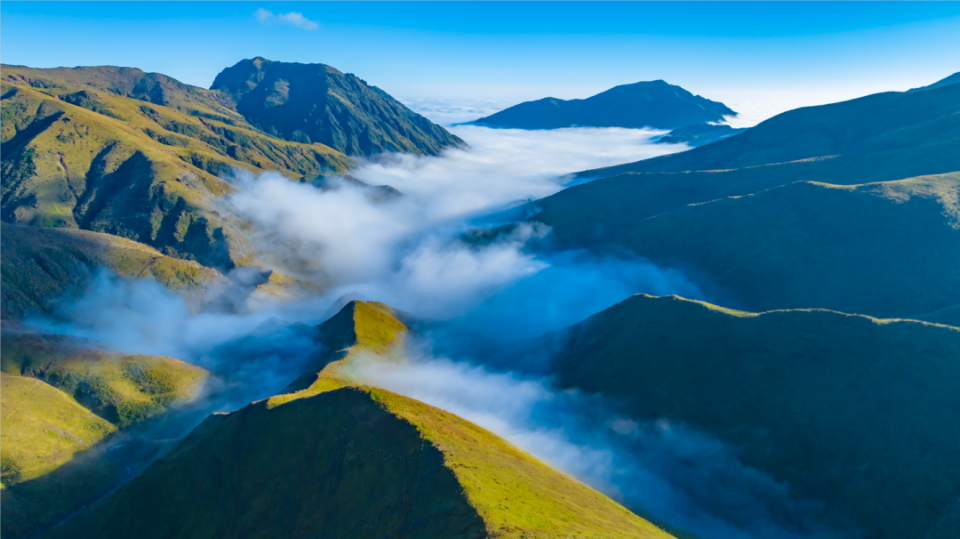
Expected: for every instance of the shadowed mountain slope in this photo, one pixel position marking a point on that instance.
(63, 398)
(315, 102)
(352, 461)
(643, 104)
(952, 79)
(40, 265)
(885, 249)
(874, 124)
(855, 412)
(699, 135)
(142, 171)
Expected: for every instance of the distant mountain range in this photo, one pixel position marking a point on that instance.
(143, 156)
(851, 207)
(653, 104)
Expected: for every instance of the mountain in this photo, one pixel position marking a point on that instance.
(699, 135)
(347, 460)
(63, 400)
(886, 249)
(952, 79)
(653, 104)
(811, 192)
(315, 102)
(40, 265)
(850, 411)
(892, 121)
(142, 171)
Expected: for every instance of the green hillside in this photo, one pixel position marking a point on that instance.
(643, 104)
(852, 411)
(124, 389)
(352, 462)
(874, 124)
(77, 156)
(41, 264)
(62, 398)
(315, 102)
(883, 249)
(341, 460)
(50, 459)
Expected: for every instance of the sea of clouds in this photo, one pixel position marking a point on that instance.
(415, 253)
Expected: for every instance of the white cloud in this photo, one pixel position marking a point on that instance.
(295, 19)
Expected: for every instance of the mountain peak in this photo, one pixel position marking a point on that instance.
(655, 104)
(317, 103)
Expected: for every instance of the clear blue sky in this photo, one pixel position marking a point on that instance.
(512, 50)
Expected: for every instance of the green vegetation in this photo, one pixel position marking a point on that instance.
(77, 153)
(341, 460)
(42, 264)
(51, 464)
(762, 219)
(315, 102)
(884, 249)
(852, 411)
(43, 428)
(62, 398)
(643, 104)
(124, 389)
(369, 463)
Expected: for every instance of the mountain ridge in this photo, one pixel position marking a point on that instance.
(654, 104)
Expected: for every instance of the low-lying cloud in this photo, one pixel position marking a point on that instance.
(659, 469)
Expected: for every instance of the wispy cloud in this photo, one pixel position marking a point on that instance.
(297, 20)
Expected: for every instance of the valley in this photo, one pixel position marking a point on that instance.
(294, 305)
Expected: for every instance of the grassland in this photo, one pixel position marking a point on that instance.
(42, 264)
(135, 168)
(883, 249)
(340, 459)
(62, 399)
(852, 411)
(124, 389)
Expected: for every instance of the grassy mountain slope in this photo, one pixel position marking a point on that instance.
(949, 316)
(42, 264)
(855, 412)
(124, 389)
(886, 249)
(78, 157)
(874, 124)
(49, 457)
(315, 102)
(342, 460)
(643, 104)
(352, 462)
(62, 398)
(43, 428)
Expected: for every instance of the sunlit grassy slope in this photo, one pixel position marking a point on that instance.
(61, 399)
(854, 412)
(885, 249)
(50, 461)
(124, 389)
(41, 264)
(342, 460)
(77, 155)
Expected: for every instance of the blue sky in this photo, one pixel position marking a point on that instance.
(811, 52)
